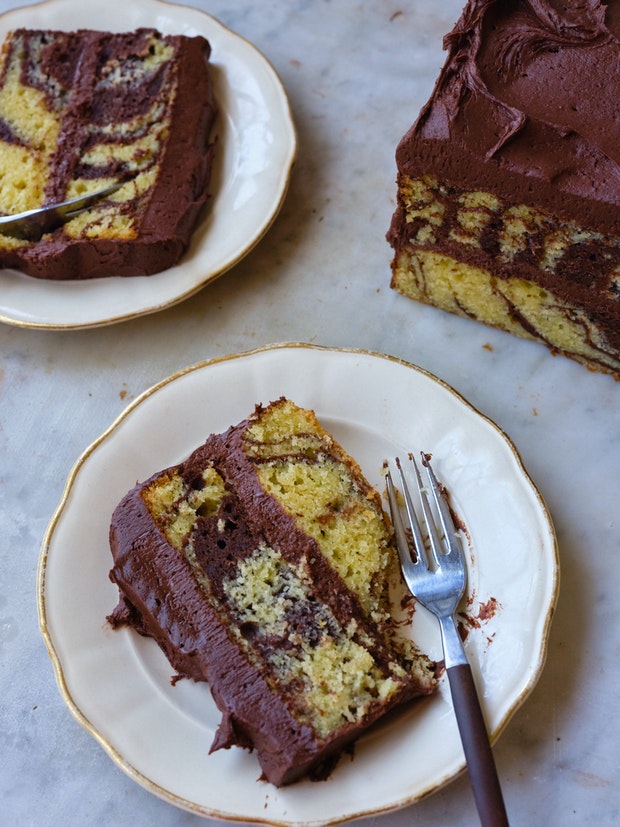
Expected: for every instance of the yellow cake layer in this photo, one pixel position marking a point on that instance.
(511, 304)
(332, 681)
(315, 481)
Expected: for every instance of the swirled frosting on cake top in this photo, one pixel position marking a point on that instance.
(526, 105)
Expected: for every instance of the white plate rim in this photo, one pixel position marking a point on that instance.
(37, 303)
(288, 350)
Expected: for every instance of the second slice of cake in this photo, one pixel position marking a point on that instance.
(262, 565)
(83, 110)
(509, 181)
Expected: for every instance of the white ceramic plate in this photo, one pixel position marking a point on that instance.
(256, 147)
(117, 684)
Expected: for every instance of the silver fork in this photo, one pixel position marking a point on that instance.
(32, 224)
(438, 584)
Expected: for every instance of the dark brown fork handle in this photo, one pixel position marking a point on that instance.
(480, 762)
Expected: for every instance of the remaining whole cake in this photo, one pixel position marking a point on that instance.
(83, 110)
(509, 181)
(262, 565)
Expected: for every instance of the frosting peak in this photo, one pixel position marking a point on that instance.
(528, 84)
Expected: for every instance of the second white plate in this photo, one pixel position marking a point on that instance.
(256, 147)
(117, 684)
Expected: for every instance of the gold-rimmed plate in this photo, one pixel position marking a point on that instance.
(256, 146)
(117, 683)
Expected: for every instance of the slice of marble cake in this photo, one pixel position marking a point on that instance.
(83, 110)
(261, 564)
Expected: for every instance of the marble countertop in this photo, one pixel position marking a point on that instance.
(356, 74)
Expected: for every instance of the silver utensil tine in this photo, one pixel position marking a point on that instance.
(439, 589)
(419, 547)
(450, 532)
(408, 562)
(433, 537)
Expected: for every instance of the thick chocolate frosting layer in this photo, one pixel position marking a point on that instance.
(526, 106)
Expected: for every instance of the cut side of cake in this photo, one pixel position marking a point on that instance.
(83, 110)
(262, 565)
(509, 182)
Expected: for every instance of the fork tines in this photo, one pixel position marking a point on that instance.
(444, 547)
(432, 563)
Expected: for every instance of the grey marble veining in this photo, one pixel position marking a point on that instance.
(356, 74)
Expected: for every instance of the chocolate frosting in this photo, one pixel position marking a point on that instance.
(168, 216)
(525, 106)
(162, 598)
